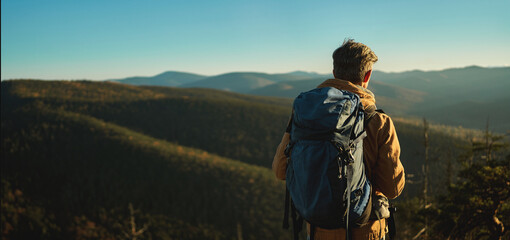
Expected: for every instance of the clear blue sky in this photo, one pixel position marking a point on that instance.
(76, 39)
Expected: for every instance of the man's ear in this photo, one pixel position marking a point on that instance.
(334, 76)
(367, 76)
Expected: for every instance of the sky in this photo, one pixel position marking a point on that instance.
(98, 40)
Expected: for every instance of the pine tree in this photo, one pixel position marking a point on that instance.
(474, 206)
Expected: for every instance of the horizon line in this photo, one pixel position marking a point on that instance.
(271, 73)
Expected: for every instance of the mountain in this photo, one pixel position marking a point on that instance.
(243, 82)
(309, 75)
(475, 114)
(169, 79)
(242, 127)
(454, 85)
(82, 171)
(394, 99)
(441, 96)
(464, 96)
(228, 124)
(195, 159)
(408, 94)
(290, 89)
(235, 82)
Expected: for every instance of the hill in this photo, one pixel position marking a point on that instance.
(475, 113)
(453, 85)
(441, 96)
(169, 79)
(408, 94)
(85, 150)
(81, 171)
(243, 82)
(416, 93)
(242, 127)
(290, 89)
(391, 98)
(458, 96)
(310, 75)
(228, 124)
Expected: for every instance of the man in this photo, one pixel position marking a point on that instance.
(352, 69)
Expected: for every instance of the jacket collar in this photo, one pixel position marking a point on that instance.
(367, 97)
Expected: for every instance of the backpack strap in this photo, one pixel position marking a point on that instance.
(289, 125)
(312, 231)
(297, 221)
(290, 145)
(370, 111)
(286, 209)
(391, 223)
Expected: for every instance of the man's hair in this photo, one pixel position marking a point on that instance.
(352, 61)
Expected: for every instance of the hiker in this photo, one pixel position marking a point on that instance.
(352, 69)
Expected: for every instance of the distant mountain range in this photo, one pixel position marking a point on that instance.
(167, 79)
(234, 82)
(443, 96)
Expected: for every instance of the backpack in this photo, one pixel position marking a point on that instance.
(325, 178)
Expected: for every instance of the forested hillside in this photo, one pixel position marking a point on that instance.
(78, 153)
(242, 127)
(81, 173)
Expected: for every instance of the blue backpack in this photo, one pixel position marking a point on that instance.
(326, 181)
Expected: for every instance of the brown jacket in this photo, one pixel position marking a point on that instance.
(382, 160)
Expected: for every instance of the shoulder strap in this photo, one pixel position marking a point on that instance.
(289, 125)
(391, 223)
(370, 111)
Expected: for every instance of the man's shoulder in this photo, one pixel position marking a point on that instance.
(381, 121)
(377, 114)
(382, 115)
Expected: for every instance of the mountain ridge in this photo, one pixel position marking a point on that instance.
(168, 79)
(312, 74)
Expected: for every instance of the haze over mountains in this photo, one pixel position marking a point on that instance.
(460, 96)
(168, 79)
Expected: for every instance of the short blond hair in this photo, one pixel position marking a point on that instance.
(352, 60)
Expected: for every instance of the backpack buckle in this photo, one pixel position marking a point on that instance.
(349, 160)
(287, 150)
(345, 157)
(340, 166)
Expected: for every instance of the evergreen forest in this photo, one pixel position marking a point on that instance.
(106, 160)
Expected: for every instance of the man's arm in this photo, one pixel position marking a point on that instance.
(389, 172)
(280, 160)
